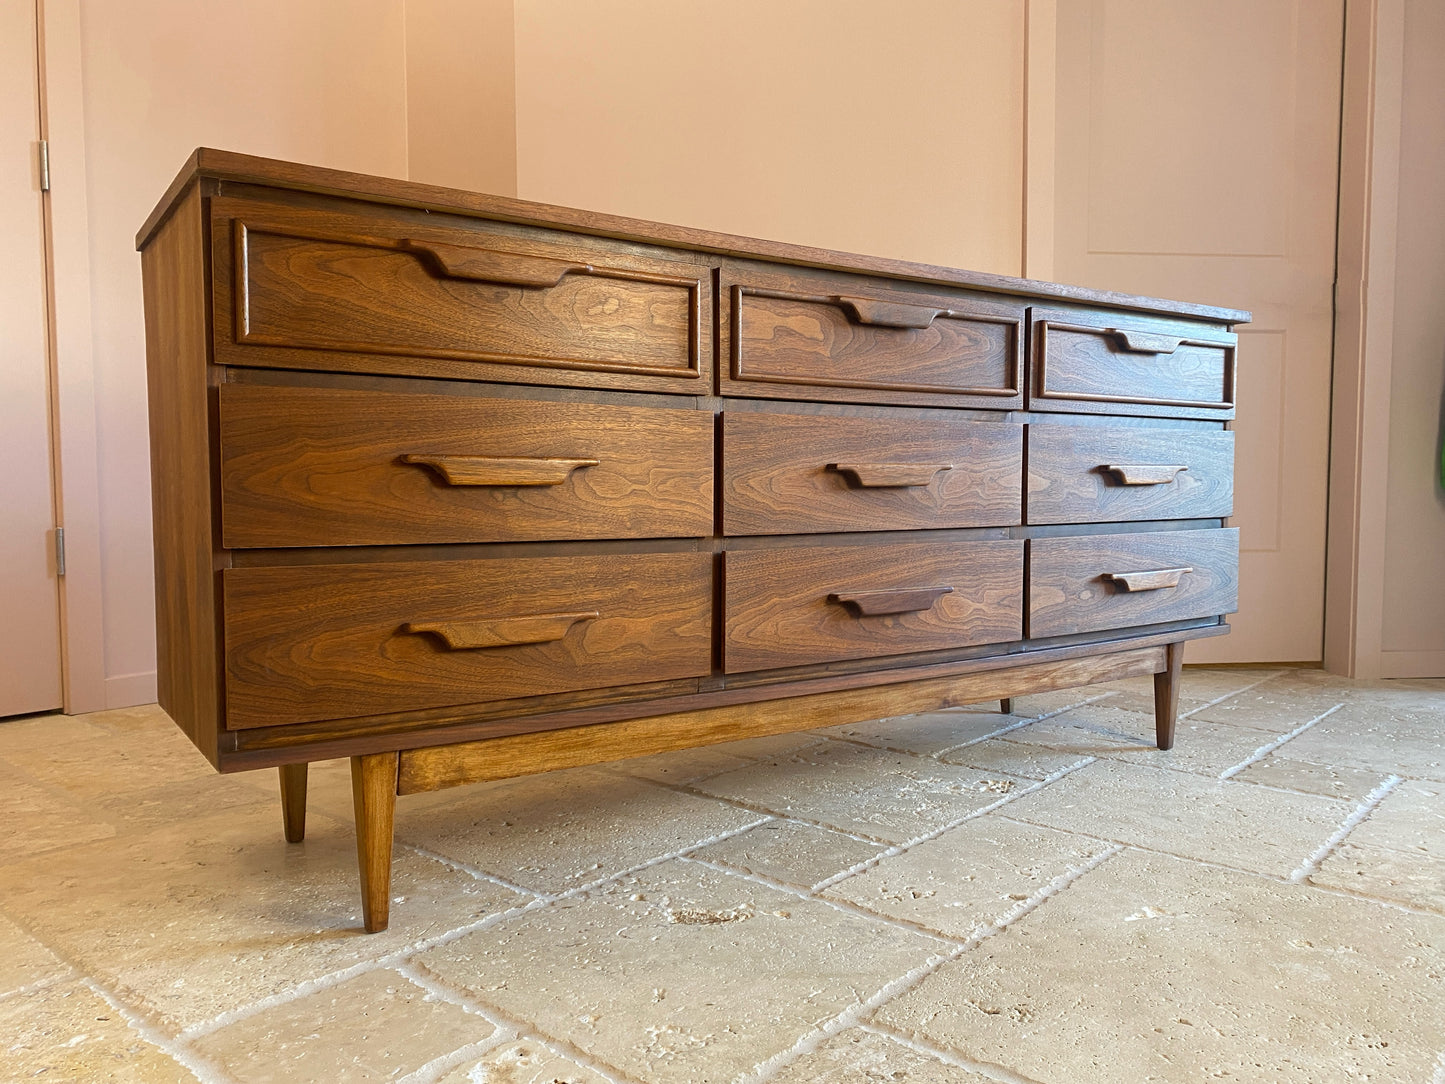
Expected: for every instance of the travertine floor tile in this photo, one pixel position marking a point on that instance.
(863, 1057)
(1414, 879)
(1347, 784)
(929, 733)
(67, 1033)
(1011, 758)
(1199, 688)
(38, 818)
(1234, 824)
(1091, 730)
(1104, 983)
(24, 961)
(104, 765)
(210, 915)
(1203, 748)
(1365, 735)
(969, 877)
(562, 831)
(1410, 818)
(680, 973)
(521, 1062)
(870, 792)
(796, 854)
(41, 734)
(1277, 706)
(377, 1026)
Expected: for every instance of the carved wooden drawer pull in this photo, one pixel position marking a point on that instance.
(489, 265)
(483, 470)
(878, 603)
(1142, 342)
(499, 631)
(1143, 474)
(865, 310)
(1147, 581)
(880, 475)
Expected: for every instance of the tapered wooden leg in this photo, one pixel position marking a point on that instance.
(373, 791)
(293, 801)
(1006, 705)
(1166, 695)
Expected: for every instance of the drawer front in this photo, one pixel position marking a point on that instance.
(858, 339)
(396, 292)
(340, 641)
(792, 607)
(1093, 582)
(1099, 474)
(786, 474)
(1117, 367)
(324, 467)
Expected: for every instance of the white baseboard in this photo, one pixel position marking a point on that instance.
(128, 690)
(1412, 664)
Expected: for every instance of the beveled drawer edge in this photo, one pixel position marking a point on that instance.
(735, 349)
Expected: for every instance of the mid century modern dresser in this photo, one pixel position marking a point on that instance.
(464, 487)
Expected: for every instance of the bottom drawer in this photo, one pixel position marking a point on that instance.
(339, 641)
(1093, 582)
(796, 606)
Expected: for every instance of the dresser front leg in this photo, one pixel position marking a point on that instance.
(1006, 705)
(373, 792)
(1166, 695)
(293, 801)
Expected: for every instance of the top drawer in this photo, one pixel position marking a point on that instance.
(856, 339)
(1150, 368)
(397, 291)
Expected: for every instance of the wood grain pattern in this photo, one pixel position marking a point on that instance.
(315, 467)
(500, 631)
(501, 758)
(293, 801)
(789, 473)
(326, 641)
(1070, 587)
(494, 265)
(1156, 579)
(1080, 367)
(1073, 474)
(187, 604)
(492, 470)
(373, 796)
(778, 613)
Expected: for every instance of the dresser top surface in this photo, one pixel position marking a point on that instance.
(249, 169)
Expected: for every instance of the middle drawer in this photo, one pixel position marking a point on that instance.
(813, 604)
(329, 467)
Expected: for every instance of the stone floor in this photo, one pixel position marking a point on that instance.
(960, 896)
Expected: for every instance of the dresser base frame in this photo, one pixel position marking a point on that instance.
(378, 778)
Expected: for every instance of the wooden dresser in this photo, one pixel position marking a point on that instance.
(464, 487)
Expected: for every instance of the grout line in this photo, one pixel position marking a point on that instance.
(477, 874)
(1439, 1075)
(1023, 723)
(432, 1070)
(177, 1049)
(899, 848)
(1264, 750)
(1311, 864)
(858, 1012)
(1220, 699)
(948, 1057)
(68, 973)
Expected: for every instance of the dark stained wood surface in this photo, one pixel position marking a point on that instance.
(324, 642)
(1082, 367)
(323, 467)
(794, 473)
(1070, 480)
(293, 801)
(1166, 696)
(788, 608)
(228, 166)
(1071, 587)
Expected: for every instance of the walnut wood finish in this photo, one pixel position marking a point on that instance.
(293, 801)
(1101, 474)
(333, 641)
(326, 467)
(791, 607)
(786, 474)
(373, 794)
(1073, 580)
(1114, 370)
(1166, 696)
(1006, 705)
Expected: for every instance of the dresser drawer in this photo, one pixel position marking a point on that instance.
(856, 339)
(1120, 367)
(339, 641)
(326, 467)
(1100, 474)
(791, 607)
(400, 291)
(1087, 583)
(792, 474)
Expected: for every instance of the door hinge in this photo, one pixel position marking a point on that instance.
(45, 165)
(60, 551)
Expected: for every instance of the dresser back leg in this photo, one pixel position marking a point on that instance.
(1166, 695)
(1006, 705)
(373, 792)
(293, 801)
